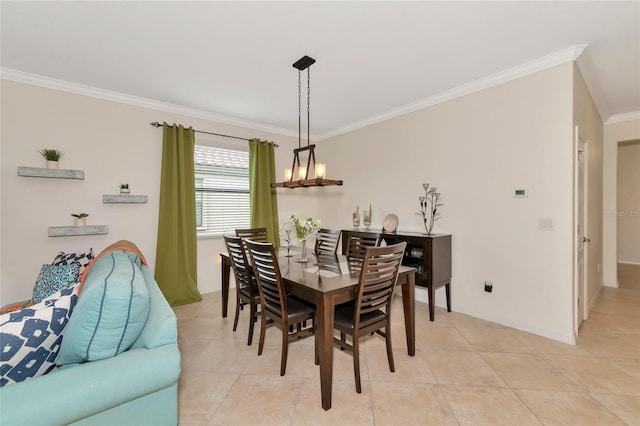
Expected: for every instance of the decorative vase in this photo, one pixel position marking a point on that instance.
(80, 221)
(53, 164)
(303, 256)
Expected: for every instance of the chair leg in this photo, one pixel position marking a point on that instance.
(263, 326)
(285, 351)
(343, 340)
(387, 331)
(235, 320)
(315, 336)
(252, 317)
(356, 363)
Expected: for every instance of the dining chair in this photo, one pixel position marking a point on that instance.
(327, 241)
(276, 305)
(358, 244)
(255, 234)
(371, 311)
(246, 286)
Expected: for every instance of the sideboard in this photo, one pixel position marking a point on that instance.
(430, 255)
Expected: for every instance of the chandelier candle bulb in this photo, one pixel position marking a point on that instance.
(302, 172)
(321, 170)
(288, 175)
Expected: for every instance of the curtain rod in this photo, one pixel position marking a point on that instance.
(156, 125)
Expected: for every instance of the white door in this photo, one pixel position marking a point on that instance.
(581, 226)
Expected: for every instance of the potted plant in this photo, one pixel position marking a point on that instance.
(52, 156)
(124, 189)
(80, 219)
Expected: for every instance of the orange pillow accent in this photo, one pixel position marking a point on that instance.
(16, 306)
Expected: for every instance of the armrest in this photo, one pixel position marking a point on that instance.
(72, 393)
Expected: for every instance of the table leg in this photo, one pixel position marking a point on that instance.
(448, 290)
(409, 306)
(324, 340)
(226, 271)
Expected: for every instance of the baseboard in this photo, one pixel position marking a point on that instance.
(568, 338)
(612, 285)
(421, 295)
(594, 299)
(624, 262)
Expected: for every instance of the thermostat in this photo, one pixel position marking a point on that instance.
(520, 192)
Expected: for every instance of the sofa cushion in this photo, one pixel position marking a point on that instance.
(68, 258)
(53, 278)
(112, 310)
(31, 337)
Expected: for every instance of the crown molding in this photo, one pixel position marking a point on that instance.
(585, 65)
(635, 115)
(540, 64)
(80, 89)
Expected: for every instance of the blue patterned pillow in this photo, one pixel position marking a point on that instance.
(68, 258)
(53, 278)
(30, 338)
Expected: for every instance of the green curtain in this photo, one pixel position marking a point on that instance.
(176, 250)
(263, 199)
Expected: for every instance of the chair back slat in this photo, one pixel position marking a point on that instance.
(241, 269)
(327, 241)
(358, 244)
(254, 234)
(267, 271)
(378, 278)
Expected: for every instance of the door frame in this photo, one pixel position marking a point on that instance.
(580, 314)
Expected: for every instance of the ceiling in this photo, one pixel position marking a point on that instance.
(233, 60)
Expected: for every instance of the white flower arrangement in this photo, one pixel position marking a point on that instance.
(306, 227)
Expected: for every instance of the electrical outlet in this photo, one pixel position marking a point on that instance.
(488, 286)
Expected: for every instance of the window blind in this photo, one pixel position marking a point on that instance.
(222, 190)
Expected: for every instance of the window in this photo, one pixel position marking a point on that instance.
(222, 190)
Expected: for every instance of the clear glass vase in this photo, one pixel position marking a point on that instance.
(303, 256)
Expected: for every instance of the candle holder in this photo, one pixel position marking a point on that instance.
(366, 217)
(429, 204)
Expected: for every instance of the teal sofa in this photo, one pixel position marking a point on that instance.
(136, 387)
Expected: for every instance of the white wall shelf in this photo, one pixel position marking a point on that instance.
(71, 231)
(124, 199)
(42, 172)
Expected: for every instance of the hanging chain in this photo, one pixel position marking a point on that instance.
(299, 106)
(308, 102)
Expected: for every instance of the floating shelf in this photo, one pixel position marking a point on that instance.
(71, 231)
(124, 199)
(42, 172)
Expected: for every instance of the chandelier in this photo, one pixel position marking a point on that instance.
(298, 175)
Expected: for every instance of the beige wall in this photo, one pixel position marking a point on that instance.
(614, 133)
(477, 149)
(113, 143)
(590, 127)
(628, 211)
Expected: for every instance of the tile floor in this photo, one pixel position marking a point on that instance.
(466, 371)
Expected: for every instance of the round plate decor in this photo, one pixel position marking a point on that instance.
(390, 223)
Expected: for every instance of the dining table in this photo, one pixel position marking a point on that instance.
(327, 281)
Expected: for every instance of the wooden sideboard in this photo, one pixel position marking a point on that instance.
(430, 255)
